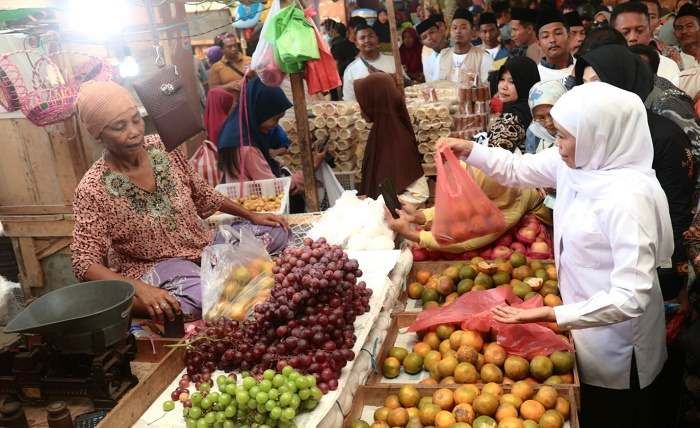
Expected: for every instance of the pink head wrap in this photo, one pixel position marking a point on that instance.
(99, 103)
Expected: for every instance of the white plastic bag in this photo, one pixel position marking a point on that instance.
(263, 60)
(331, 184)
(9, 306)
(235, 277)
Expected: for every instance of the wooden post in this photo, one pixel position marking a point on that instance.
(395, 43)
(307, 162)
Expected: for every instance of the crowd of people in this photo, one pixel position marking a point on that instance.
(596, 131)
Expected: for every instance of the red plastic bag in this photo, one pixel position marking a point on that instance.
(462, 210)
(473, 311)
(321, 74)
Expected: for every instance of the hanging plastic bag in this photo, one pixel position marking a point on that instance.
(462, 210)
(331, 185)
(293, 39)
(263, 60)
(235, 278)
(321, 74)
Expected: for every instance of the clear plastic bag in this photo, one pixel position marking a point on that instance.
(263, 60)
(235, 278)
(462, 210)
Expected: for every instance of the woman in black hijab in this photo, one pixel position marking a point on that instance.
(673, 164)
(381, 27)
(512, 85)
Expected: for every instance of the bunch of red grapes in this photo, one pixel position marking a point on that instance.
(306, 323)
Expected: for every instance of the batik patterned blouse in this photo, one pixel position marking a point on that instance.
(130, 229)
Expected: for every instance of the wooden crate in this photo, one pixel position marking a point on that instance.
(41, 166)
(34, 239)
(403, 320)
(139, 398)
(154, 349)
(373, 397)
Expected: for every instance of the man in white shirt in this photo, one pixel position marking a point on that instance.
(463, 59)
(432, 38)
(369, 57)
(686, 28)
(488, 33)
(632, 20)
(553, 38)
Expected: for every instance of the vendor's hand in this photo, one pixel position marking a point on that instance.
(157, 301)
(512, 315)
(266, 219)
(401, 225)
(319, 157)
(412, 214)
(234, 86)
(458, 146)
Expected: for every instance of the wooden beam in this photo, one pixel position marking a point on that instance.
(395, 44)
(33, 273)
(52, 248)
(307, 163)
(35, 209)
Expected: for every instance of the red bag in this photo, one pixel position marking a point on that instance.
(203, 161)
(321, 74)
(473, 311)
(462, 210)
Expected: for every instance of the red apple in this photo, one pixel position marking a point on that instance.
(419, 254)
(501, 252)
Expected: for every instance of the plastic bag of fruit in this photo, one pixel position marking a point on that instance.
(235, 278)
(462, 210)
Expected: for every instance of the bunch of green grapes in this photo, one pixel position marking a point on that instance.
(271, 402)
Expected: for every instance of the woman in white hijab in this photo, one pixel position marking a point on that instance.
(541, 99)
(611, 231)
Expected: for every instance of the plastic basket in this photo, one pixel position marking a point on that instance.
(346, 179)
(265, 188)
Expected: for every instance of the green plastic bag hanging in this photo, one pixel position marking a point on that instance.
(293, 38)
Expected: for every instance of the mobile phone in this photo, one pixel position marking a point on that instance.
(390, 199)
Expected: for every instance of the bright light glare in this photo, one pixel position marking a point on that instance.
(128, 67)
(96, 18)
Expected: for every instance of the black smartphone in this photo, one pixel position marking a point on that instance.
(390, 199)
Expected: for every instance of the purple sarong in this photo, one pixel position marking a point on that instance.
(181, 278)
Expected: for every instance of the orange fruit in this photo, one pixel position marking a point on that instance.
(494, 354)
(551, 419)
(464, 413)
(552, 300)
(547, 396)
(523, 390)
(563, 407)
(504, 411)
(432, 339)
(423, 276)
(392, 401)
(493, 389)
(444, 398)
(444, 419)
(456, 339)
(421, 348)
(428, 413)
(510, 422)
(473, 339)
(428, 381)
(485, 404)
(532, 409)
(397, 417)
(381, 414)
(465, 394)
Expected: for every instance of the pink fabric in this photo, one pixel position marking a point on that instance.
(219, 102)
(136, 241)
(254, 166)
(204, 160)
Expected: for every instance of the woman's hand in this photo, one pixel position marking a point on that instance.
(266, 219)
(512, 315)
(458, 146)
(319, 157)
(156, 301)
(412, 214)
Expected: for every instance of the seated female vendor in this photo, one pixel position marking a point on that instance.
(138, 209)
(514, 203)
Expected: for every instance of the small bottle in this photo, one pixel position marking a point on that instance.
(58, 415)
(12, 415)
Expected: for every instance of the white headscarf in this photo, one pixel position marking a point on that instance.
(544, 93)
(613, 154)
